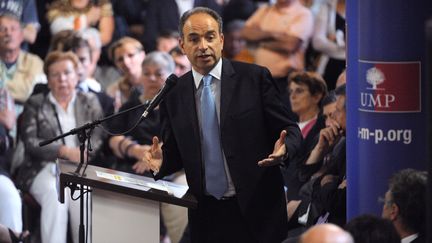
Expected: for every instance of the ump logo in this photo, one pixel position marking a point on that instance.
(389, 86)
(374, 77)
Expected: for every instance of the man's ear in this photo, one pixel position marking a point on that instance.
(394, 212)
(181, 45)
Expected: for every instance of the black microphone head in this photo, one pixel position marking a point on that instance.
(171, 80)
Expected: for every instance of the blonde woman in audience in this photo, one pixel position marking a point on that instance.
(82, 14)
(128, 55)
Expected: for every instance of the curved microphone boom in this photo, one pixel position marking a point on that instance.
(169, 83)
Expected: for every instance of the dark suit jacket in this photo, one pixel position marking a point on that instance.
(251, 119)
(420, 239)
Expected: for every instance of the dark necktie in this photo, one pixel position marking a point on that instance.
(215, 176)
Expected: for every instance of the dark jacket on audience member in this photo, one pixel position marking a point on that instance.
(39, 123)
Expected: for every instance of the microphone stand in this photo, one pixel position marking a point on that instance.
(84, 133)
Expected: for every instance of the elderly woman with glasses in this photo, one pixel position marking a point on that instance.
(156, 67)
(45, 116)
(130, 148)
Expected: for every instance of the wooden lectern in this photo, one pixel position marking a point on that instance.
(125, 207)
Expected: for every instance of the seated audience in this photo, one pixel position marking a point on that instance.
(156, 67)
(328, 108)
(45, 116)
(26, 13)
(68, 40)
(81, 14)
(323, 197)
(86, 83)
(238, 9)
(130, 17)
(167, 40)
(326, 233)
(405, 204)
(105, 74)
(20, 70)
(128, 55)
(372, 229)
(12, 236)
(281, 32)
(329, 39)
(234, 44)
(306, 91)
(182, 63)
(10, 203)
(341, 79)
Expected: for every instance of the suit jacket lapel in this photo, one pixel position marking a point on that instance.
(228, 83)
(189, 137)
(50, 116)
(80, 110)
(188, 99)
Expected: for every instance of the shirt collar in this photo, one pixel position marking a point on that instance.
(409, 238)
(83, 85)
(216, 72)
(54, 101)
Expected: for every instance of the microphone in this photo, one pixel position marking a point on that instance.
(169, 83)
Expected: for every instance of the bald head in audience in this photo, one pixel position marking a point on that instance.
(326, 233)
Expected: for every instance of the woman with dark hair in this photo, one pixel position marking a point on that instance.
(306, 91)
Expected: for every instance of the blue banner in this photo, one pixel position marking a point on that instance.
(386, 119)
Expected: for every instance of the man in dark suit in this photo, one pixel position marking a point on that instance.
(246, 202)
(405, 204)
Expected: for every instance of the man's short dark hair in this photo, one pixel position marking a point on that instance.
(77, 42)
(341, 90)
(168, 34)
(176, 51)
(408, 191)
(329, 98)
(372, 229)
(234, 25)
(197, 10)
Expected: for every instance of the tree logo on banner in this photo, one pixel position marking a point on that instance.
(375, 77)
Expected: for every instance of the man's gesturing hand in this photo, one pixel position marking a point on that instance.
(279, 152)
(152, 159)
